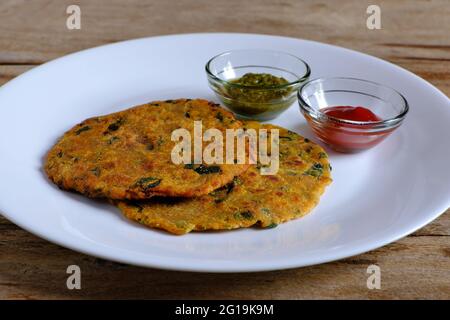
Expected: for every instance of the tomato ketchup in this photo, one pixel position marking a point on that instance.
(347, 137)
(351, 113)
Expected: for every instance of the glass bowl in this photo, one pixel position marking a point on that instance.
(348, 135)
(256, 102)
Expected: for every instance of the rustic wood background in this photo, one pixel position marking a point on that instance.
(414, 35)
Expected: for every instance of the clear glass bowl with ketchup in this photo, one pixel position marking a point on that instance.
(351, 115)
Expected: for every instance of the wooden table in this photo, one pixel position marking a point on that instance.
(414, 35)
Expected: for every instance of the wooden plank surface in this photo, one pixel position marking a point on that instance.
(414, 267)
(414, 35)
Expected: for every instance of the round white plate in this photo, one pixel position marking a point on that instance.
(377, 196)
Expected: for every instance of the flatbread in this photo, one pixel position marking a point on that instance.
(250, 199)
(127, 155)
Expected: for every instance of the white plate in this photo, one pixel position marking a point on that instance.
(377, 197)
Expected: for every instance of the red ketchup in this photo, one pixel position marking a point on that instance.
(351, 113)
(346, 137)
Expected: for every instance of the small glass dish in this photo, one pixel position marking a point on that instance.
(256, 102)
(348, 135)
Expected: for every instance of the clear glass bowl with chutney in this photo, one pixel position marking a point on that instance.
(256, 84)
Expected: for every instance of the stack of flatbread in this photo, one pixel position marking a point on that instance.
(125, 157)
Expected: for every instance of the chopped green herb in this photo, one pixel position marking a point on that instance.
(318, 166)
(115, 125)
(272, 225)
(322, 155)
(229, 187)
(283, 154)
(221, 194)
(237, 216)
(85, 128)
(237, 181)
(95, 171)
(147, 183)
(316, 170)
(202, 169)
(246, 214)
(113, 139)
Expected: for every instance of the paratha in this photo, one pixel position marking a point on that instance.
(127, 154)
(249, 200)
